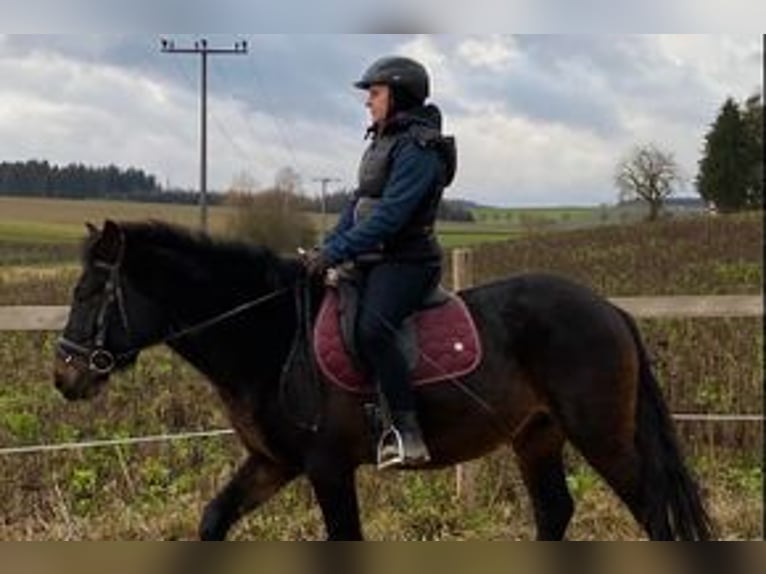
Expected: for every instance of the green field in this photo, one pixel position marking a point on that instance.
(64, 220)
(158, 491)
(28, 226)
(516, 215)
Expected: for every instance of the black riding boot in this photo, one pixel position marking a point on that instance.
(402, 445)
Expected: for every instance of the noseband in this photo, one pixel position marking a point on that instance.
(100, 360)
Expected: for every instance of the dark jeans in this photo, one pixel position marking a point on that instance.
(391, 292)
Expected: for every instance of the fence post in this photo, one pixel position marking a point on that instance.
(463, 278)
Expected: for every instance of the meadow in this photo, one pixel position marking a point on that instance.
(158, 491)
(34, 231)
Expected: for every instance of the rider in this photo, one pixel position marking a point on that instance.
(387, 230)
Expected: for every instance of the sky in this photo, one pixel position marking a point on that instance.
(540, 120)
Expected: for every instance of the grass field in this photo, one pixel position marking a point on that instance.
(64, 220)
(42, 230)
(158, 491)
(554, 214)
(28, 226)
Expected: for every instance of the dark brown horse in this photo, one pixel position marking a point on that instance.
(560, 364)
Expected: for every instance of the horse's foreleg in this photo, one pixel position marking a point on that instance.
(254, 483)
(335, 489)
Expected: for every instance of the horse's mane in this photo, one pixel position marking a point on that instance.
(222, 259)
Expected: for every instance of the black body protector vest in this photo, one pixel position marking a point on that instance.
(416, 241)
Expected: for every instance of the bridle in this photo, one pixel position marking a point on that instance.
(103, 362)
(100, 360)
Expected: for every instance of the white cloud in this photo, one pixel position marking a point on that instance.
(495, 52)
(424, 48)
(538, 119)
(724, 62)
(66, 110)
(511, 160)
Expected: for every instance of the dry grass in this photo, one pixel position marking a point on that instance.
(411, 507)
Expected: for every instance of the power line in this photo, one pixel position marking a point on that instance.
(202, 49)
(280, 124)
(243, 152)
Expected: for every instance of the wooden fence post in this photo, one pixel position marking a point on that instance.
(463, 278)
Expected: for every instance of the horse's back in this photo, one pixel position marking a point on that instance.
(541, 295)
(550, 321)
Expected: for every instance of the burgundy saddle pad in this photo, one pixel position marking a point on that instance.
(448, 342)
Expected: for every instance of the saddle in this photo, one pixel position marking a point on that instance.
(440, 341)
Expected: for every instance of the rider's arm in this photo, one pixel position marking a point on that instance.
(414, 173)
(346, 219)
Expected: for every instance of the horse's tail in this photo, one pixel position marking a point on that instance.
(669, 490)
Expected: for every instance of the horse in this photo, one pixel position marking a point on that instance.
(559, 364)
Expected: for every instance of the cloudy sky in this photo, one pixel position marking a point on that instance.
(540, 119)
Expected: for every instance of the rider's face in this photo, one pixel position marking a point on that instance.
(378, 101)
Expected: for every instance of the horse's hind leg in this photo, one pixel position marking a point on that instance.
(619, 463)
(607, 441)
(539, 448)
(255, 482)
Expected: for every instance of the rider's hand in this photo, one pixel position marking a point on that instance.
(315, 262)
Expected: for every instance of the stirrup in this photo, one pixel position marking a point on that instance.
(390, 449)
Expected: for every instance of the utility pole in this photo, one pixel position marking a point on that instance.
(202, 49)
(325, 181)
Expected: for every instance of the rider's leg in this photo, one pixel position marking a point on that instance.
(392, 292)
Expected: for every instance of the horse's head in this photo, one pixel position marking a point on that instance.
(109, 321)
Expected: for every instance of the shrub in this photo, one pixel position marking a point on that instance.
(271, 218)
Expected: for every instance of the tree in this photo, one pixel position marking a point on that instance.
(753, 118)
(725, 170)
(648, 174)
(41, 179)
(288, 180)
(267, 217)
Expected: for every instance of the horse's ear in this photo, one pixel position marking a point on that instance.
(110, 245)
(92, 230)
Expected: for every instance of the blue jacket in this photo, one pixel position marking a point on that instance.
(415, 179)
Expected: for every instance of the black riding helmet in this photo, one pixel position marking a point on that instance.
(407, 78)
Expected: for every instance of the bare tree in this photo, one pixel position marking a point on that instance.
(243, 183)
(288, 180)
(648, 174)
(289, 183)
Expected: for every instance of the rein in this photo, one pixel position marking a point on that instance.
(103, 362)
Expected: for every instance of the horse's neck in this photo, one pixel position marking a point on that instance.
(244, 351)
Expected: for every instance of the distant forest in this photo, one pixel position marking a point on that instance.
(76, 181)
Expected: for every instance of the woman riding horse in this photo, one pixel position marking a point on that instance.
(560, 364)
(388, 232)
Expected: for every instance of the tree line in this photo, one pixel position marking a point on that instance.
(42, 179)
(76, 181)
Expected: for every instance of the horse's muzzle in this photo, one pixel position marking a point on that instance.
(74, 382)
